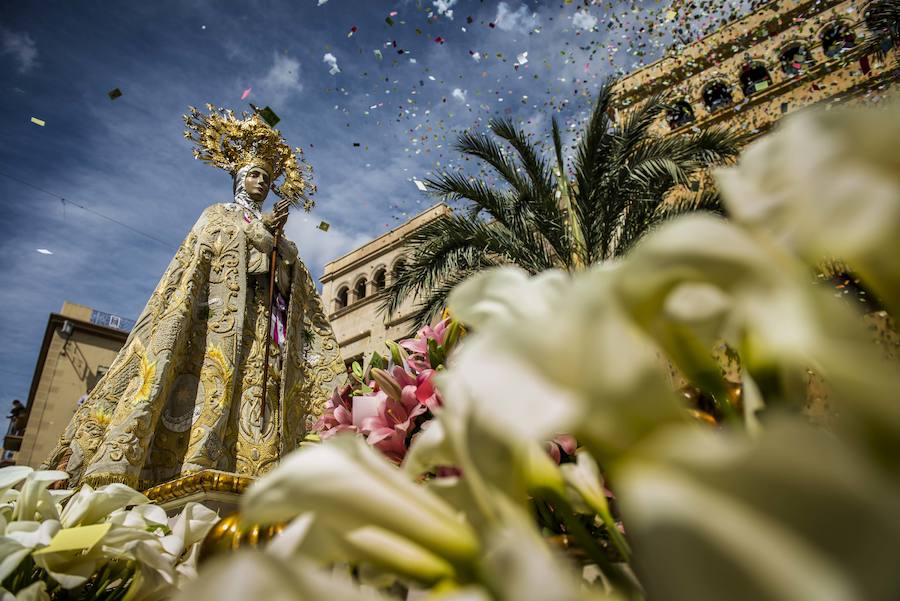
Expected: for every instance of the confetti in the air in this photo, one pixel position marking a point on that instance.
(37, 121)
(331, 60)
(44, 251)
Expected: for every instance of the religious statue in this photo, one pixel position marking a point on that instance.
(232, 359)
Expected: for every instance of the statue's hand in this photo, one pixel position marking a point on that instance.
(277, 217)
(273, 221)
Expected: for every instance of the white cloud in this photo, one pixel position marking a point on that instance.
(331, 61)
(317, 247)
(520, 20)
(282, 80)
(21, 46)
(443, 7)
(459, 94)
(584, 20)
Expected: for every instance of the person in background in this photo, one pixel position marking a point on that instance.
(16, 418)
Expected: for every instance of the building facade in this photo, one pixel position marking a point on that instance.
(79, 345)
(787, 55)
(353, 285)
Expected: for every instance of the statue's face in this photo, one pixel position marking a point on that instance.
(256, 183)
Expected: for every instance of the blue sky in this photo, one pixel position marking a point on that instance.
(402, 93)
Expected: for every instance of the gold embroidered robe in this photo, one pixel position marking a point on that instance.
(184, 393)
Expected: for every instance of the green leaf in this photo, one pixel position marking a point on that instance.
(377, 361)
(435, 353)
(453, 333)
(398, 354)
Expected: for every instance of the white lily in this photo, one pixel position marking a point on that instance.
(12, 475)
(826, 184)
(349, 485)
(793, 514)
(505, 295)
(89, 506)
(535, 385)
(255, 575)
(521, 567)
(34, 500)
(585, 480)
(36, 591)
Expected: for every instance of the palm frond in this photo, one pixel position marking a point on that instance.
(882, 19)
(636, 125)
(484, 148)
(536, 202)
(435, 300)
(456, 186)
(707, 200)
(535, 165)
(452, 242)
(592, 167)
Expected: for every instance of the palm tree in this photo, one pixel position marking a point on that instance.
(883, 21)
(542, 220)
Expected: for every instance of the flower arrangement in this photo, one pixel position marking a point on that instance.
(394, 397)
(106, 544)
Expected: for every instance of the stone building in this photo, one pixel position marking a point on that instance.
(353, 288)
(78, 346)
(748, 74)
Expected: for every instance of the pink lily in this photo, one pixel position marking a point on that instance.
(337, 416)
(563, 443)
(388, 430)
(419, 344)
(426, 393)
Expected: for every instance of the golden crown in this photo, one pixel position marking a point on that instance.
(230, 143)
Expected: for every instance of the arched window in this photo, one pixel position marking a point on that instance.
(755, 78)
(836, 38)
(679, 114)
(360, 289)
(795, 59)
(342, 297)
(379, 279)
(716, 96)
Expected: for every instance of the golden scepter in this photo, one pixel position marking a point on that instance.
(280, 214)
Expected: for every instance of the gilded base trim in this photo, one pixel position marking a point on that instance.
(205, 481)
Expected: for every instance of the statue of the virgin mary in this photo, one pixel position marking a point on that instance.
(185, 392)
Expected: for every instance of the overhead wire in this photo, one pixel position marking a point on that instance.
(67, 201)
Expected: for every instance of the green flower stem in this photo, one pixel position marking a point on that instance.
(619, 579)
(615, 536)
(545, 515)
